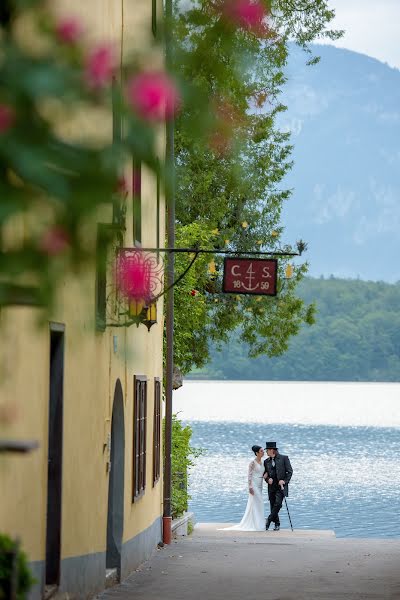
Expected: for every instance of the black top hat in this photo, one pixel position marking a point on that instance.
(270, 446)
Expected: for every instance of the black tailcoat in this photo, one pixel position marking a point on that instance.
(284, 470)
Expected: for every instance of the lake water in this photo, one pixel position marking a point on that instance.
(343, 440)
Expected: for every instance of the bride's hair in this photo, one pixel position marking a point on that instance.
(256, 449)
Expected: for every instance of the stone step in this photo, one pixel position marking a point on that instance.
(183, 525)
(214, 530)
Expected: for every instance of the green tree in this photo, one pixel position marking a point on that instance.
(229, 183)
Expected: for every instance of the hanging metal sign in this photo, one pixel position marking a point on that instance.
(250, 276)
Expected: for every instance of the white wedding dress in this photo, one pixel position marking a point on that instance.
(253, 518)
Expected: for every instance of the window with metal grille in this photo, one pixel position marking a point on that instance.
(157, 431)
(139, 436)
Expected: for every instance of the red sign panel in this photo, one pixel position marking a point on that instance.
(250, 276)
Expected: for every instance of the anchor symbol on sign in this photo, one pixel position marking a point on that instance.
(250, 276)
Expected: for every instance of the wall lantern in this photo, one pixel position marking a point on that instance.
(142, 312)
(136, 308)
(151, 315)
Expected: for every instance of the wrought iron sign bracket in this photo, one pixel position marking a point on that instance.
(138, 312)
(197, 251)
(225, 252)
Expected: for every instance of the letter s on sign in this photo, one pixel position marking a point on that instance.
(266, 272)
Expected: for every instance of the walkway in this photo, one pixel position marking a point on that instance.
(312, 565)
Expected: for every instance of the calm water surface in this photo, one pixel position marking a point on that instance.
(343, 441)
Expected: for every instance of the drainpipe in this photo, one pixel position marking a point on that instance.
(170, 203)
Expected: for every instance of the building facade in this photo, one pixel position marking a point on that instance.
(90, 497)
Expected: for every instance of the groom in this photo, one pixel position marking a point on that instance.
(278, 472)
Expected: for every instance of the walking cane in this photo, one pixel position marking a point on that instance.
(287, 508)
(290, 520)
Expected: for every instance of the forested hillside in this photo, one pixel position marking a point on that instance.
(356, 338)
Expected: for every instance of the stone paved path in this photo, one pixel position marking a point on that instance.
(217, 565)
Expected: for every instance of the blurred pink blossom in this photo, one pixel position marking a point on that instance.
(54, 241)
(134, 276)
(100, 67)
(7, 117)
(153, 96)
(123, 186)
(69, 30)
(248, 14)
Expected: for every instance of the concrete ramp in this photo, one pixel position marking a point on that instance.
(284, 565)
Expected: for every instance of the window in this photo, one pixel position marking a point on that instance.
(118, 205)
(116, 112)
(154, 17)
(137, 201)
(157, 431)
(6, 12)
(5, 21)
(101, 275)
(158, 208)
(139, 436)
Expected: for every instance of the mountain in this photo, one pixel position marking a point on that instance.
(344, 115)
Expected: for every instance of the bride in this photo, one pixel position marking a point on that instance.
(253, 518)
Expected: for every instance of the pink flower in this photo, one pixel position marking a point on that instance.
(54, 241)
(7, 117)
(153, 96)
(69, 30)
(100, 67)
(123, 186)
(134, 276)
(248, 14)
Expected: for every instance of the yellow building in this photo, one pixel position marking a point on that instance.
(90, 498)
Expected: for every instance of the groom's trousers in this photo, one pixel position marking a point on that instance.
(276, 496)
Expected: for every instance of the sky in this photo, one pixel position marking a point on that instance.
(372, 27)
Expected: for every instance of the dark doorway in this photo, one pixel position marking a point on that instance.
(54, 468)
(115, 518)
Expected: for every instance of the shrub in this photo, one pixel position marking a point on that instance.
(9, 551)
(182, 459)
